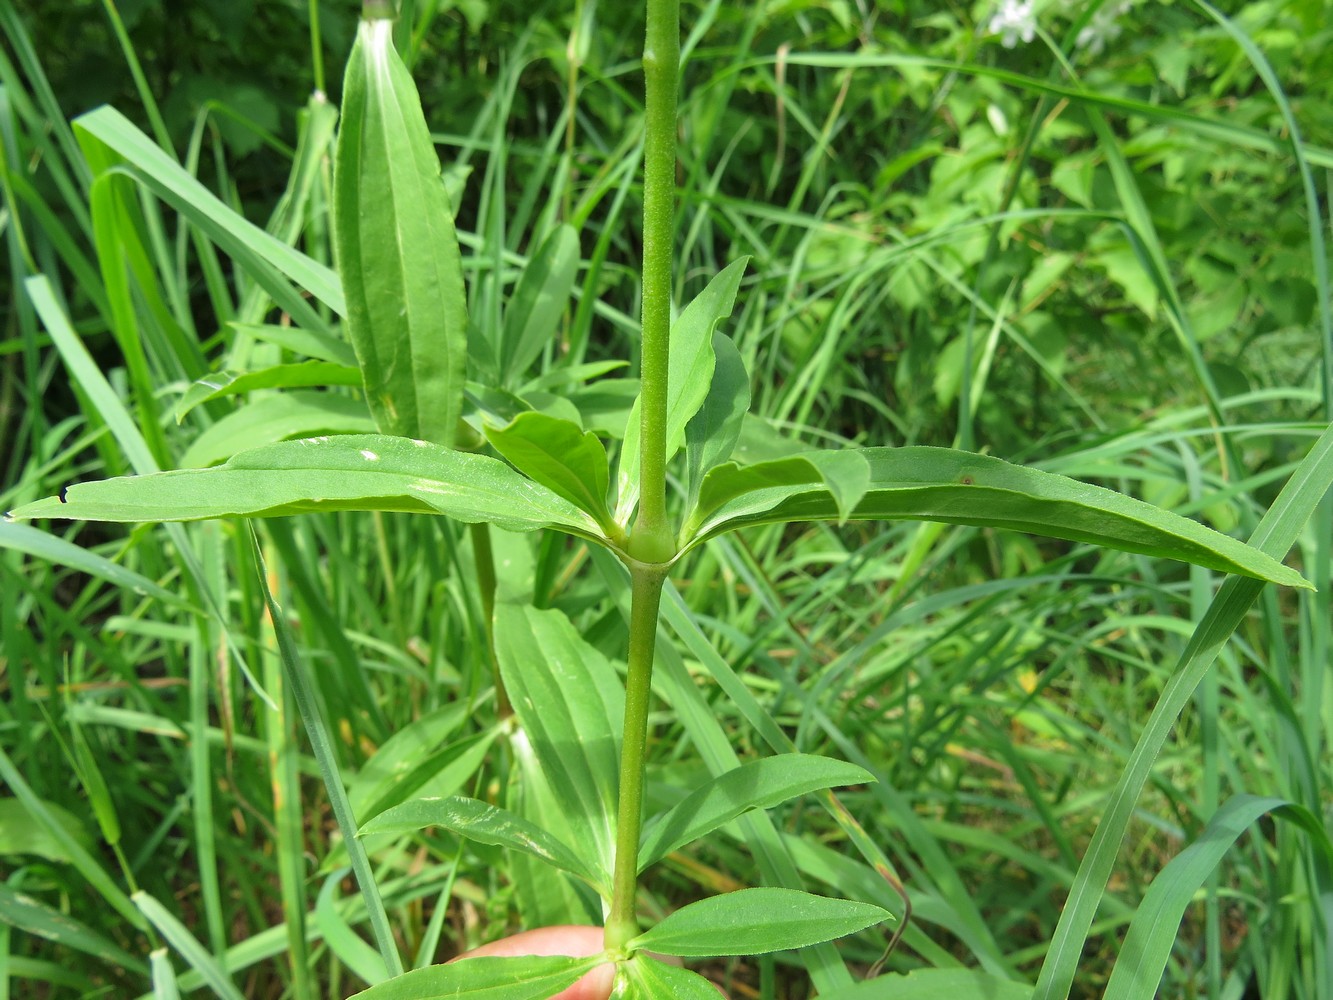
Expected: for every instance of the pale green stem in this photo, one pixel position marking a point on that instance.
(652, 539)
(645, 595)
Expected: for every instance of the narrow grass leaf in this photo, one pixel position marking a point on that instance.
(271, 263)
(712, 433)
(562, 457)
(344, 942)
(757, 784)
(538, 303)
(32, 916)
(187, 946)
(1152, 933)
(955, 487)
(1276, 533)
(397, 249)
(346, 472)
(528, 978)
(165, 986)
(650, 979)
(296, 414)
(487, 824)
(299, 375)
(757, 921)
(322, 744)
(40, 545)
(83, 861)
(315, 344)
(571, 704)
(689, 377)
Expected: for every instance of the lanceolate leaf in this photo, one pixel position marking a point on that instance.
(538, 302)
(296, 414)
(561, 456)
(347, 472)
(228, 383)
(1152, 933)
(650, 979)
(397, 249)
(528, 978)
(712, 433)
(940, 484)
(689, 378)
(488, 824)
(759, 784)
(571, 704)
(755, 921)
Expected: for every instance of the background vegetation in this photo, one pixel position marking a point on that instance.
(1090, 252)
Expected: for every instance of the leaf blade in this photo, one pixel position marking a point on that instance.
(397, 249)
(757, 784)
(343, 472)
(757, 921)
(487, 824)
(954, 487)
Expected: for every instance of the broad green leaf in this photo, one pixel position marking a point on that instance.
(350, 948)
(689, 378)
(955, 487)
(299, 375)
(1147, 945)
(43, 545)
(757, 921)
(300, 413)
(344, 472)
(712, 433)
(538, 303)
(568, 461)
(397, 249)
(311, 343)
(932, 984)
(846, 474)
(529, 978)
(571, 704)
(650, 979)
(757, 784)
(488, 824)
(32, 916)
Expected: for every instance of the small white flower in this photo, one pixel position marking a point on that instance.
(1103, 27)
(1014, 20)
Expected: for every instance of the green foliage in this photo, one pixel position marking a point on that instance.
(1074, 262)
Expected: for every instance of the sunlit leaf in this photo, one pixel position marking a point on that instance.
(527, 978)
(689, 378)
(344, 472)
(556, 453)
(955, 487)
(756, 921)
(397, 249)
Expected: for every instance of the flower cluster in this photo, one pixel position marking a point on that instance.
(1015, 20)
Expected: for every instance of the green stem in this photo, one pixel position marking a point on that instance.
(645, 596)
(652, 539)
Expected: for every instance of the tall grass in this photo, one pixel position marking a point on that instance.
(1024, 252)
